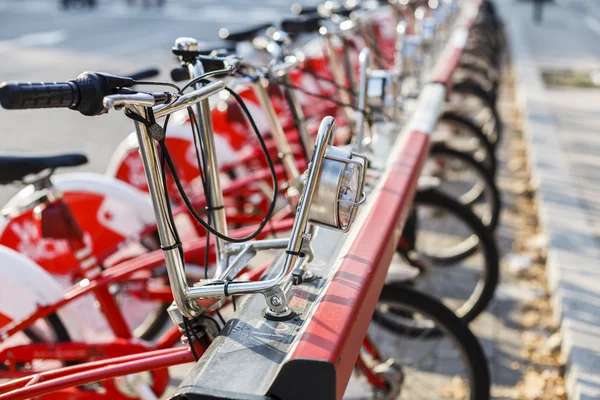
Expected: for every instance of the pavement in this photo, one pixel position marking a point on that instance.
(562, 126)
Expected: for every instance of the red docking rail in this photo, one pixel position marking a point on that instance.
(312, 355)
(450, 57)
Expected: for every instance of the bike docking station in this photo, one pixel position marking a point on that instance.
(312, 353)
(300, 327)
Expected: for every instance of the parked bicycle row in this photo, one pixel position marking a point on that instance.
(299, 192)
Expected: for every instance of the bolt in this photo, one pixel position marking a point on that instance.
(276, 301)
(306, 236)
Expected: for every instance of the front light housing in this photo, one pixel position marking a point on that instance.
(383, 93)
(340, 190)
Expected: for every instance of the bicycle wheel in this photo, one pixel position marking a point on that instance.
(461, 133)
(472, 101)
(146, 318)
(48, 330)
(456, 254)
(438, 355)
(466, 180)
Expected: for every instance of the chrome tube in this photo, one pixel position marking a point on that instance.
(399, 60)
(117, 100)
(248, 249)
(297, 234)
(283, 147)
(189, 99)
(213, 180)
(173, 259)
(298, 114)
(338, 76)
(265, 244)
(148, 100)
(364, 60)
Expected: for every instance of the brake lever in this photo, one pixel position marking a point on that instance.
(124, 97)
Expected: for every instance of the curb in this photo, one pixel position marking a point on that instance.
(573, 252)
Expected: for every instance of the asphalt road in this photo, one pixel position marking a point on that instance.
(41, 42)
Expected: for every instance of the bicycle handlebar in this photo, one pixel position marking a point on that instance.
(144, 74)
(327, 12)
(18, 96)
(298, 25)
(93, 93)
(84, 94)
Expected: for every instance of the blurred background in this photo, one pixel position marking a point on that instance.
(56, 40)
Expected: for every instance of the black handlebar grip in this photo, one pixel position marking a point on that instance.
(93, 86)
(299, 25)
(308, 10)
(179, 74)
(20, 96)
(84, 94)
(211, 64)
(345, 12)
(144, 74)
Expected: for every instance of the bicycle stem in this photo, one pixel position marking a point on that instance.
(278, 48)
(193, 301)
(214, 195)
(283, 147)
(173, 258)
(337, 72)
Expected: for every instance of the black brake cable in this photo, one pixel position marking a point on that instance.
(188, 333)
(220, 317)
(330, 81)
(157, 84)
(201, 162)
(172, 169)
(202, 78)
(314, 94)
(190, 206)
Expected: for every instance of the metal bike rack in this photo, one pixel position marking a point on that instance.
(313, 354)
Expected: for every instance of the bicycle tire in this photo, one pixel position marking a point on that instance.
(456, 329)
(468, 87)
(57, 326)
(485, 287)
(440, 149)
(154, 324)
(467, 125)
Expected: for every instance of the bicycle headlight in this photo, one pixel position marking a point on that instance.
(382, 91)
(340, 189)
(428, 30)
